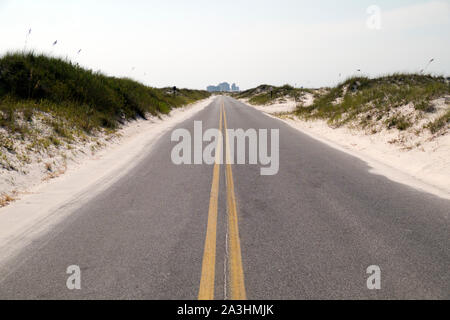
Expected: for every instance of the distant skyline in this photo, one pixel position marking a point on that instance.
(197, 43)
(223, 87)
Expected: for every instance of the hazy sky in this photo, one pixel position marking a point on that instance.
(200, 42)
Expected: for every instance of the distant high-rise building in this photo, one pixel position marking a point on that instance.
(223, 87)
(212, 88)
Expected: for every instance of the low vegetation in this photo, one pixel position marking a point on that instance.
(86, 98)
(399, 101)
(441, 122)
(408, 110)
(47, 103)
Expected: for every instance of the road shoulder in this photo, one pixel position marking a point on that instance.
(426, 169)
(48, 203)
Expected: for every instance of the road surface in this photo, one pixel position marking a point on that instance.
(226, 232)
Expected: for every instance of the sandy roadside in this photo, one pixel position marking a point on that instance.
(47, 203)
(426, 167)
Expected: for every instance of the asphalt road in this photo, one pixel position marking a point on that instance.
(309, 232)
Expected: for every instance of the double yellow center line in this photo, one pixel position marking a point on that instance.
(236, 285)
(207, 280)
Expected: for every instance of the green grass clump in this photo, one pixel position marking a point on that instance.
(399, 122)
(439, 123)
(85, 99)
(6, 142)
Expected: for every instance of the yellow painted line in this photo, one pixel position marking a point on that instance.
(207, 280)
(237, 285)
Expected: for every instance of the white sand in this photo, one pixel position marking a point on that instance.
(48, 203)
(288, 105)
(284, 105)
